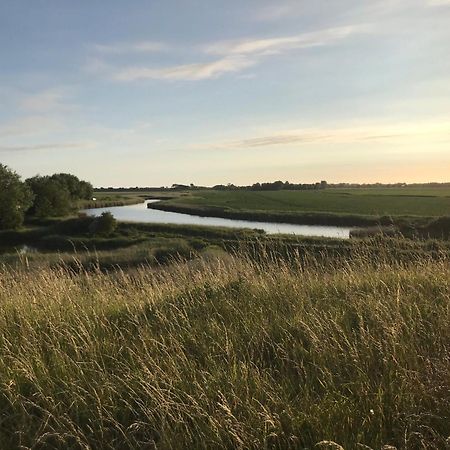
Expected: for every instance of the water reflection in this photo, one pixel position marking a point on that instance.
(140, 213)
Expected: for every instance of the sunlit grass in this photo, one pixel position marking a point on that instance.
(229, 353)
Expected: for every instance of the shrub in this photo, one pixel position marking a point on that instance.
(104, 224)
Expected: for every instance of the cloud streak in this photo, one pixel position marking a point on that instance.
(273, 46)
(187, 72)
(52, 146)
(357, 134)
(231, 56)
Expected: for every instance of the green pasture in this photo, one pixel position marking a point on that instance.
(429, 202)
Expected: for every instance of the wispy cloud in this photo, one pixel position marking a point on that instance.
(355, 134)
(188, 72)
(329, 136)
(231, 56)
(131, 47)
(271, 46)
(52, 146)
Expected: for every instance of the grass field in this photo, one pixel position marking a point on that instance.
(55, 240)
(122, 198)
(228, 353)
(429, 202)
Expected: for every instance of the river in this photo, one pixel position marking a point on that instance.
(140, 213)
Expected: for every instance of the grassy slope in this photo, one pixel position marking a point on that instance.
(426, 202)
(227, 355)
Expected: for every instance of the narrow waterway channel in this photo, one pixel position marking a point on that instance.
(140, 213)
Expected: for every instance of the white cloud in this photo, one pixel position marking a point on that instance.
(277, 45)
(232, 56)
(189, 72)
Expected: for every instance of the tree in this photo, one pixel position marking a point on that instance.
(15, 198)
(58, 194)
(77, 189)
(51, 197)
(86, 190)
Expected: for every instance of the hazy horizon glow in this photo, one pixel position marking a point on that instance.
(210, 92)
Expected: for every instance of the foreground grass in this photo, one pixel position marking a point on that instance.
(228, 354)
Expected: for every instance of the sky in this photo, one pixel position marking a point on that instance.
(155, 92)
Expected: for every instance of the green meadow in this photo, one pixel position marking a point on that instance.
(376, 202)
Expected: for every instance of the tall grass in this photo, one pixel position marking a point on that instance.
(229, 353)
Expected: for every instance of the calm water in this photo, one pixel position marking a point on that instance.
(140, 213)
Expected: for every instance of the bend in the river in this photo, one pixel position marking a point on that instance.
(140, 213)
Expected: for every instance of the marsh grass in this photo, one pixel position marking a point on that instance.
(233, 352)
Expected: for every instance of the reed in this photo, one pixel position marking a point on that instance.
(229, 352)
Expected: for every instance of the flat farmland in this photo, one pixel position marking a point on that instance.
(424, 202)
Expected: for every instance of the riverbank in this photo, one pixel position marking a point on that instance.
(140, 213)
(69, 241)
(295, 218)
(408, 211)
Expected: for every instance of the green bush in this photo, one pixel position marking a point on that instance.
(15, 199)
(104, 224)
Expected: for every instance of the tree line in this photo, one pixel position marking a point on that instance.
(39, 196)
(274, 186)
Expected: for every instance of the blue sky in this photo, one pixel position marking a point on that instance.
(143, 93)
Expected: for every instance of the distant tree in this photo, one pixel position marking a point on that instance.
(103, 225)
(277, 185)
(177, 186)
(51, 196)
(15, 198)
(77, 189)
